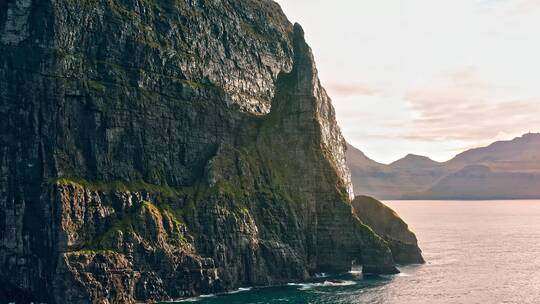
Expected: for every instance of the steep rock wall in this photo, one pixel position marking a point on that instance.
(156, 150)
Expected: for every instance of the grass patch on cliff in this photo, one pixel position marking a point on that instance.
(245, 175)
(172, 204)
(96, 86)
(184, 198)
(120, 186)
(92, 252)
(161, 216)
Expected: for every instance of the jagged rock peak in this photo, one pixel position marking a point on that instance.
(311, 97)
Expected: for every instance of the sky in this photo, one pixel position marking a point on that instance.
(428, 77)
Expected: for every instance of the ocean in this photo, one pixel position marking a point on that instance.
(476, 251)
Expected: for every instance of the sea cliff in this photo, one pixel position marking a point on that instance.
(154, 150)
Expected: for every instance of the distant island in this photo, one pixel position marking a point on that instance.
(502, 170)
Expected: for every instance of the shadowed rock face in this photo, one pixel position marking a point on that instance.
(386, 223)
(152, 150)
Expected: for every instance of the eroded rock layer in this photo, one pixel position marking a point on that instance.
(152, 150)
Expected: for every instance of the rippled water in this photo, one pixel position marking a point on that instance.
(477, 252)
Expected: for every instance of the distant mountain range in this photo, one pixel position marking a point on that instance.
(502, 170)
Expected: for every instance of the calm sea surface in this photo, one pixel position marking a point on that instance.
(477, 252)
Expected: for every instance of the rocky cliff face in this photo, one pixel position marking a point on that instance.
(152, 150)
(386, 223)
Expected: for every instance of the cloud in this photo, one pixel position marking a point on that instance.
(352, 89)
(465, 108)
(403, 47)
(509, 7)
(528, 5)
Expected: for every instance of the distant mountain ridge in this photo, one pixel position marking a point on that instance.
(412, 161)
(503, 170)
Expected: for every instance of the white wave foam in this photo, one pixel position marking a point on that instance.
(401, 274)
(195, 299)
(356, 271)
(305, 286)
(240, 290)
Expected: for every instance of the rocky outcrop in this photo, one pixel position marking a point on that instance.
(386, 223)
(154, 150)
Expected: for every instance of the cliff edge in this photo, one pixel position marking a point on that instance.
(386, 223)
(154, 150)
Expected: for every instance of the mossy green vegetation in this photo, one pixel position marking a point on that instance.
(92, 252)
(102, 186)
(169, 205)
(134, 222)
(184, 198)
(96, 86)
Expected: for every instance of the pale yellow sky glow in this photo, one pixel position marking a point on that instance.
(430, 77)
